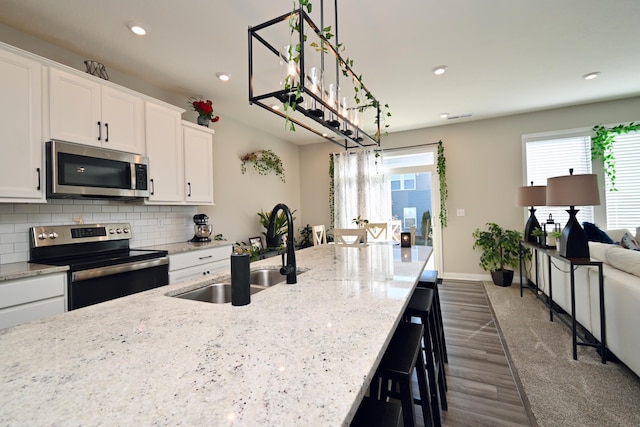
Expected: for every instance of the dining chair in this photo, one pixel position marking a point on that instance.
(377, 230)
(349, 236)
(319, 235)
(395, 228)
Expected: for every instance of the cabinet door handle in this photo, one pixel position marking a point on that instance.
(153, 187)
(38, 171)
(205, 257)
(189, 185)
(106, 126)
(99, 131)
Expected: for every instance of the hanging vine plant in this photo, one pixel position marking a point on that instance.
(264, 162)
(602, 147)
(442, 177)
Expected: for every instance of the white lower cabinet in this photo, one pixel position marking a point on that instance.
(24, 300)
(198, 263)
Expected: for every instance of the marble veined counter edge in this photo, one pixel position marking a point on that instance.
(296, 355)
(180, 247)
(23, 270)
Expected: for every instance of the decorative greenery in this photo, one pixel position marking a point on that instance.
(359, 221)
(500, 247)
(219, 237)
(281, 222)
(295, 89)
(203, 108)
(264, 162)
(602, 147)
(306, 233)
(442, 177)
(426, 226)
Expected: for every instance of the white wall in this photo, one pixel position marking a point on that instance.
(484, 168)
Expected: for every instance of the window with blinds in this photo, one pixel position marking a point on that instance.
(548, 156)
(623, 205)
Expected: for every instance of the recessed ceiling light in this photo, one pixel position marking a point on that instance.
(591, 76)
(439, 70)
(138, 29)
(223, 76)
(444, 115)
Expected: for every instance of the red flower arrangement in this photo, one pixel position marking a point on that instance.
(204, 108)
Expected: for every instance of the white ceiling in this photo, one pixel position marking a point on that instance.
(503, 56)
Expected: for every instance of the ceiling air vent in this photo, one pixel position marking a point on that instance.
(462, 116)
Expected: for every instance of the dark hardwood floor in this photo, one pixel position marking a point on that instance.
(482, 390)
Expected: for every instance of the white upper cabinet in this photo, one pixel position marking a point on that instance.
(164, 149)
(22, 176)
(198, 164)
(85, 111)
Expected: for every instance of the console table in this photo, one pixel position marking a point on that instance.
(573, 263)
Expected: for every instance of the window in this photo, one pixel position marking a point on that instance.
(623, 205)
(552, 155)
(409, 218)
(547, 156)
(403, 182)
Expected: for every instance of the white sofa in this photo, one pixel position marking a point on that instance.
(621, 269)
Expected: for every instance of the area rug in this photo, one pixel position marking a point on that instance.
(561, 391)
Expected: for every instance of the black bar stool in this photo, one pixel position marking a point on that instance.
(376, 413)
(421, 306)
(429, 279)
(393, 376)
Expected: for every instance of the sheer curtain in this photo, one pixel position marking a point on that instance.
(360, 188)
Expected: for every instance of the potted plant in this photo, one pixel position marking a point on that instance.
(500, 249)
(359, 221)
(553, 239)
(280, 227)
(204, 110)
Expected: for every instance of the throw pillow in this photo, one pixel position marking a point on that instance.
(594, 234)
(627, 242)
(624, 259)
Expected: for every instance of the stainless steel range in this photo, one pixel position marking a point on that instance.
(101, 264)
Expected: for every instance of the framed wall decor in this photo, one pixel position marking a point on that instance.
(256, 242)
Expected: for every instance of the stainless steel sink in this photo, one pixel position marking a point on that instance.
(217, 293)
(266, 277)
(220, 293)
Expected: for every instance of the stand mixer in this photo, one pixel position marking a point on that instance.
(202, 228)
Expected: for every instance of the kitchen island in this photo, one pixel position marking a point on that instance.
(299, 354)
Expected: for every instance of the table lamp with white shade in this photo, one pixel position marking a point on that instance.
(573, 190)
(532, 196)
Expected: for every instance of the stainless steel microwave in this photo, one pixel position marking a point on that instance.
(86, 172)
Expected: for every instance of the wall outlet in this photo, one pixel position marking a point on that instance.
(460, 212)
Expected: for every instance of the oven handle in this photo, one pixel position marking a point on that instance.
(78, 276)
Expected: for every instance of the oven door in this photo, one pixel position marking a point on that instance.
(87, 287)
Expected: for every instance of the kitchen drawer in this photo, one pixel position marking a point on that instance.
(21, 291)
(199, 257)
(23, 313)
(198, 271)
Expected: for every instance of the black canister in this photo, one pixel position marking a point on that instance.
(240, 287)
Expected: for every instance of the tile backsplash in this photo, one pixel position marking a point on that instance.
(150, 225)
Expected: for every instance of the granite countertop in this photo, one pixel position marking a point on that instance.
(176, 248)
(299, 354)
(23, 270)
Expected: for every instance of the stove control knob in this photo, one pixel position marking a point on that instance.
(53, 235)
(111, 231)
(42, 236)
(118, 230)
(125, 230)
